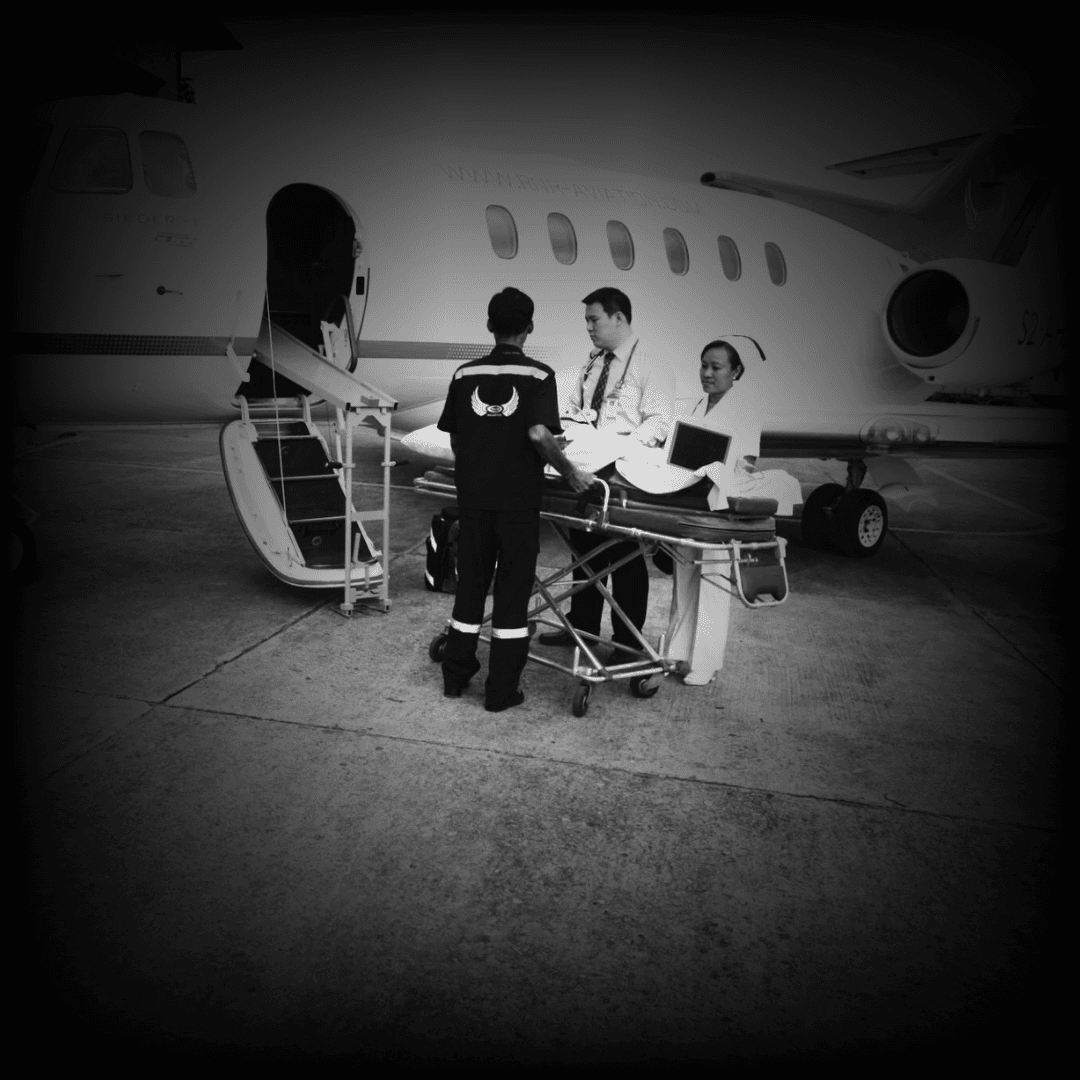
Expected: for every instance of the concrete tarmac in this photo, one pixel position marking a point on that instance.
(256, 828)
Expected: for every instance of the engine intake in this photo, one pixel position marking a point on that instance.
(928, 313)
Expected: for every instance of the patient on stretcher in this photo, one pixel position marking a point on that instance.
(735, 478)
(719, 485)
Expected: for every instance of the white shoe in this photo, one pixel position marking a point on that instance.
(699, 678)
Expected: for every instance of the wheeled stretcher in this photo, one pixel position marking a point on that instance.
(745, 557)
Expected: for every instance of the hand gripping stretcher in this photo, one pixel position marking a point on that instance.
(745, 557)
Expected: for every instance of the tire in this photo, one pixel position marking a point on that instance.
(644, 686)
(437, 648)
(860, 523)
(817, 516)
(581, 700)
(23, 552)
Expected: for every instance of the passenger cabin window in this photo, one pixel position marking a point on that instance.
(620, 244)
(35, 137)
(166, 165)
(774, 259)
(730, 260)
(92, 159)
(678, 258)
(563, 238)
(502, 231)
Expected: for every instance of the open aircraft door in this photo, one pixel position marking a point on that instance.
(316, 279)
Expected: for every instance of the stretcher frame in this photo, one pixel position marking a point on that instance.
(551, 589)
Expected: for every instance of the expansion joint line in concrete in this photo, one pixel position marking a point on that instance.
(105, 739)
(892, 806)
(982, 616)
(968, 609)
(249, 648)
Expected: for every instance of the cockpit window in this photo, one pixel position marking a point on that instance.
(678, 257)
(502, 231)
(730, 261)
(621, 245)
(563, 238)
(774, 259)
(35, 138)
(92, 159)
(166, 165)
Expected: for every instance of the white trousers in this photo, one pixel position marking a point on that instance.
(700, 609)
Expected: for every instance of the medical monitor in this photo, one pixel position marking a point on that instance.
(692, 447)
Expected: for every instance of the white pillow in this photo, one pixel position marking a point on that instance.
(431, 442)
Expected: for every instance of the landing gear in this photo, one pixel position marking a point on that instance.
(817, 515)
(851, 519)
(860, 523)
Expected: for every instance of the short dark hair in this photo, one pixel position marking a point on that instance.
(510, 312)
(611, 300)
(734, 359)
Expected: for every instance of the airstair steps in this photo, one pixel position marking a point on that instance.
(295, 499)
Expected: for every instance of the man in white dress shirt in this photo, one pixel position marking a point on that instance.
(626, 390)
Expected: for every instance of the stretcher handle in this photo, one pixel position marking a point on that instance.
(607, 499)
(581, 507)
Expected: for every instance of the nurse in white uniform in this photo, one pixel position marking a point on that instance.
(700, 597)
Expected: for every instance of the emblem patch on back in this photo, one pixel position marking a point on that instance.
(483, 409)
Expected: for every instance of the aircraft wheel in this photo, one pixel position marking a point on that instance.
(23, 552)
(437, 648)
(581, 700)
(644, 686)
(817, 520)
(861, 522)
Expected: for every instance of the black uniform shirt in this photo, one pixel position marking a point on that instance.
(491, 404)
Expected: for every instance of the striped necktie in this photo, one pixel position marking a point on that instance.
(601, 385)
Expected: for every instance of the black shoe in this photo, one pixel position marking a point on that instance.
(453, 687)
(509, 703)
(558, 637)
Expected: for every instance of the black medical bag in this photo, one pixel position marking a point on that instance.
(440, 574)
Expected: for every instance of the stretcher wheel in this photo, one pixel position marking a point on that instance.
(437, 648)
(817, 515)
(644, 686)
(581, 699)
(861, 522)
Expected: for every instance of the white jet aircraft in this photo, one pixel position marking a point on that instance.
(161, 247)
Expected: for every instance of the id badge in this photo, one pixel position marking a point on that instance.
(610, 408)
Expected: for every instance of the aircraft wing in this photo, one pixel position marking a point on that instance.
(986, 194)
(928, 430)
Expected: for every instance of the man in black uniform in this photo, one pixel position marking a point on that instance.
(502, 413)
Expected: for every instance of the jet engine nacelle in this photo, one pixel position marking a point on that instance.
(963, 323)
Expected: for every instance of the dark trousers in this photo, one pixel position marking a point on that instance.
(503, 544)
(629, 586)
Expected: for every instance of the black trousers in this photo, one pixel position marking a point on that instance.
(503, 544)
(629, 586)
